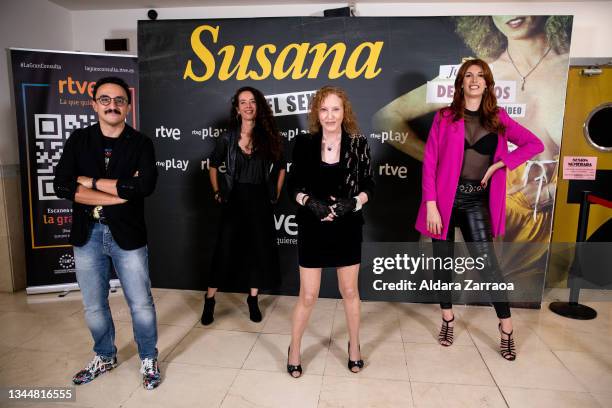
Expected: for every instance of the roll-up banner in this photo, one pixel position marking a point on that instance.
(397, 72)
(53, 91)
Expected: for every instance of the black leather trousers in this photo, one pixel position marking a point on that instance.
(471, 214)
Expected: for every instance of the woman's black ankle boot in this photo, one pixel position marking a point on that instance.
(209, 311)
(254, 312)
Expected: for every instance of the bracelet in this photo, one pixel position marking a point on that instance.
(93, 183)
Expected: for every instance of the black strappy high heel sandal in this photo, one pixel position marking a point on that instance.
(445, 338)
(293, 368)
(506, 346)
(352, 364)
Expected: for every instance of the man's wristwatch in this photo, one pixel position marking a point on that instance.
(93, 183)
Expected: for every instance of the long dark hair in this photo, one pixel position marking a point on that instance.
(488, 106)
(266, 137)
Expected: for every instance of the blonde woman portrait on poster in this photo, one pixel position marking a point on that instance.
(330, 180)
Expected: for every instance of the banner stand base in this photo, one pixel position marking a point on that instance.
(573, 310)
(65, 288)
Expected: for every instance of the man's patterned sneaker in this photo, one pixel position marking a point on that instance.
(151, 377)
(99, 365)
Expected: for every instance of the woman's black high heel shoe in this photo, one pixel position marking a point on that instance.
(293, 368)
(445, 338)
(506, 346)
(254, 312)
(352, 364)
(209, 311)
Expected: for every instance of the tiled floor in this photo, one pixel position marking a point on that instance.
(237, 363)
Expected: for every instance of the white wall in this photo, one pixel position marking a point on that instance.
(91, 27)
(26, 24)
(591, 35)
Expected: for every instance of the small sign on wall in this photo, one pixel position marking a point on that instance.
(579, 167)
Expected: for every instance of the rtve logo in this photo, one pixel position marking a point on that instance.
(395, 171)
(286, 223)
(168, 133)
(205, 165)
(75, 87)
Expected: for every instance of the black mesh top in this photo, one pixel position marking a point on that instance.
(479, 148)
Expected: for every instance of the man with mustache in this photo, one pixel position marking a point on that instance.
(107, 170)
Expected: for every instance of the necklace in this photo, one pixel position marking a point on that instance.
(524, 77)
(329, 146)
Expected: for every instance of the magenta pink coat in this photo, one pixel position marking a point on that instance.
(442, 162)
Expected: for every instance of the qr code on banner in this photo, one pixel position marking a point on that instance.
(51, 132)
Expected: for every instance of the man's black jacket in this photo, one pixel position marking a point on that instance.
(84, 156)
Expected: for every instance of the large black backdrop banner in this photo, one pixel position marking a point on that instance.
(189, 69)
(53, 91)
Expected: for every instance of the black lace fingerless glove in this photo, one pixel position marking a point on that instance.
(319, 208)
(343, 206)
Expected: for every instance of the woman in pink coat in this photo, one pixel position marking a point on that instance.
(464, 183)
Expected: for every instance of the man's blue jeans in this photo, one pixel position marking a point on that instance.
(93, 271)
